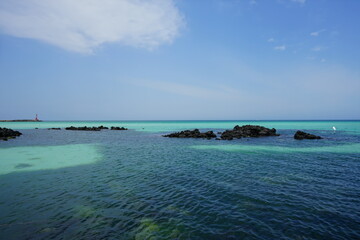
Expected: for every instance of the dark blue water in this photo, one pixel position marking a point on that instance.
(145, 186)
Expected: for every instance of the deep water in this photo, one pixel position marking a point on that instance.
(136, 184)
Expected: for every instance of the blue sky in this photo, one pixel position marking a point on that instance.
(179, 60)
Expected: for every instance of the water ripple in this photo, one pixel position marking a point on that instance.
(143, 186)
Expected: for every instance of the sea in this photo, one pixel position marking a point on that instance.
(137, 184)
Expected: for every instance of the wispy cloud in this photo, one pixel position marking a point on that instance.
(317, 33)
(317, 48)
(312, 58)
(208, 92)
(84, 25)
(280, 48)
(271, 40)
(299, 1)
(252, 2)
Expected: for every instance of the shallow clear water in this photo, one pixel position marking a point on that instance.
(136, 184)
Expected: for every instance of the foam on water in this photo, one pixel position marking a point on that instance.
(35, 158)
(347, 148)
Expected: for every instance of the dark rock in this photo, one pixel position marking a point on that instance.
(118, 128)
(6, 133)
(23, 165)
(219, 132)
(217, 138)
(300, 135)
(191, 134)
(248, 131)
(83, 128)
(54, 128)
(94, 128)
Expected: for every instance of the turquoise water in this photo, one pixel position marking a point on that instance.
(136, 184)
(160, 126)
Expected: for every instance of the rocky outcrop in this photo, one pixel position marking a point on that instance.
(300, 135)
(94, 128)
(248, 131)
(6, 133)
(118, 128)
(54, 128)
(83, 128)
(192, 134)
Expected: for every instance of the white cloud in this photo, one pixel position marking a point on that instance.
(84, 25)
(271, 40)
(253, 2)
(316, 34)
(280, 48)
(323, 60)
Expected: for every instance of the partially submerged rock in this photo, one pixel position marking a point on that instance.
(192, 134)
(54, 128)
(83, 128)
(7, 133)
(118, 128)
(94, 128)
(300, 135)
(23, 165)
(248, 131)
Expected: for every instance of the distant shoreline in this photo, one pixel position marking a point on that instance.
(21, 120)
(291, 120)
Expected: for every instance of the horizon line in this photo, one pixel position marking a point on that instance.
(152, 120)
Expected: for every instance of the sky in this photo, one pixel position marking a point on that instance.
(180, 59)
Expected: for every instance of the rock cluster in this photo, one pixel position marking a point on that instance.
(94, 128)
(6, 133)
(192, 134)
(248, 131)
(118, 128)
(83, 128)
(300, 135)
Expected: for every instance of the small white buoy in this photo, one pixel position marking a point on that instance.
(334, 128)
